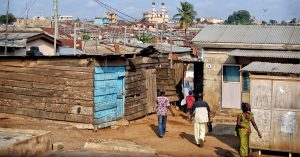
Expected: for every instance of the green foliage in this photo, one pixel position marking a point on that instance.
(143, 20)
(11, 18)
(273, 22)
(283, 22)
(293, 21)
(187, 14)
(85, 37)
(239, 17)
(145, 38)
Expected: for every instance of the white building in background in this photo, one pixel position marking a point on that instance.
(155, 16)
(211, 20)
(65, 18)
(39, 18)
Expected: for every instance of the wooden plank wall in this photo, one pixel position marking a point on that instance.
(138, 102)
(180, 69)
(135, 99)
(56, 89)
(165, 79)
(151, 90)
(275, 103)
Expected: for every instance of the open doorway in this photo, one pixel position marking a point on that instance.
(198, 77)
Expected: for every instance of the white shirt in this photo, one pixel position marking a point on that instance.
(201, 115)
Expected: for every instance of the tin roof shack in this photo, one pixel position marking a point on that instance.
(274, 98)
(56, 88)
(227, 49)
(85, 89)
(91, 90)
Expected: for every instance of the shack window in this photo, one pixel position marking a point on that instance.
(246, 82)
(231, 73)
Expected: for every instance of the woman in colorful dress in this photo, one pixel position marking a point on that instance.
(244, 129)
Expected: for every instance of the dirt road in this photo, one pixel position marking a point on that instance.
(179, 140)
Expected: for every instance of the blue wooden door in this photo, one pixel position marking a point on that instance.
(108, 95)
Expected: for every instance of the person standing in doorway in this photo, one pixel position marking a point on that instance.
(163, 105)
(244, 129)
(190, 100)
(201, 112)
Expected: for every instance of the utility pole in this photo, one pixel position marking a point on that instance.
(161, 35)
(75, 39)
(26, 13)
(125, 37)
(139, 34)
(6, 29)
(55, 25)
(171, 48)
(157, 34)
(97, 34)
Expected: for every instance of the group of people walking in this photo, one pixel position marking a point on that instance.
(199, 109)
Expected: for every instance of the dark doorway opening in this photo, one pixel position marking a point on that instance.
(198, 77)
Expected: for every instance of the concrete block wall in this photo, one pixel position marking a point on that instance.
(213, 62)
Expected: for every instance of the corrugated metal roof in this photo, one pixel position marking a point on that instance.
(18, 36)
(265, 67)
(250, 34)
(166, 48)
(70, 51)
(266, 53)
(163, 47)
(14, 43)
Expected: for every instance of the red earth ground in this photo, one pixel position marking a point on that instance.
(179, 140)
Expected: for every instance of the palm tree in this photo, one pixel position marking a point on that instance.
(187, 15)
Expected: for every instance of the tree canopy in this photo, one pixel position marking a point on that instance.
(293, 21)
(273, 22)
(11, 18)
(186, 14)
(146, 38)
(85, 37)
(283, 22)
(239, 17)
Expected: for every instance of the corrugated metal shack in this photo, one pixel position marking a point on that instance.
(275, 102)
(50, 88)
(72, 89)
(227, 49)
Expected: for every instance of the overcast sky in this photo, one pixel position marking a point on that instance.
(88, 9)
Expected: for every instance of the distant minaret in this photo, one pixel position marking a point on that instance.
(153, 7)
(164, 13)
(163, 8)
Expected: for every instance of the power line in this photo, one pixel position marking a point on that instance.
(111, 8)
(31, 4)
